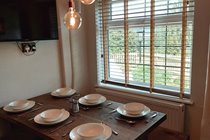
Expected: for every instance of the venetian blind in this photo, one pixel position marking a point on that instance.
(145, 44)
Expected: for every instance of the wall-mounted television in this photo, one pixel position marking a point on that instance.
(28, 20)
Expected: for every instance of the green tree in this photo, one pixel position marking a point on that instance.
(116, 40)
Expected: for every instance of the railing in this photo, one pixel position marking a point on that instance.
(135, 58)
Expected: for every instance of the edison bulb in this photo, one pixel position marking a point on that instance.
(87, 2)
(72, 19)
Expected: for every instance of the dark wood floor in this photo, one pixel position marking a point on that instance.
(165, 134)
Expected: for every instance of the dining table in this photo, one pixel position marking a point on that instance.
(123, 127)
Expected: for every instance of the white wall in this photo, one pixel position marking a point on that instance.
(27, 76)
(79, 53)
(205, 123)
(22, 77)
(199, 67)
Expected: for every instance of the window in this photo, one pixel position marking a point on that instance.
(145, 44)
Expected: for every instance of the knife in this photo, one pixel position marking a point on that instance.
(113, 111)
(150, 118)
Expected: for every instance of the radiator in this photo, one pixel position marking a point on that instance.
(175, 111)
(175, 114)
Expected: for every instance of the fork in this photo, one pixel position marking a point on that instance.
(39, 103)
(150, 118)
(30, 119)
(114, 110)
(113, 131)
(125, 120)
(84, 108)
(65, 134)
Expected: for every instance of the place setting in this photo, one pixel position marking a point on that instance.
(92, 99)
(63, 92)
(91, 131)
(131, 112)
(19, 106)
(51, 116)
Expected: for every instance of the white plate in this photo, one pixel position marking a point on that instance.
(91, 131)
(63, 92)
(92, 98)
(106, 133)
(52, 115)
(19, 104)
(123, 112)
(8, 108)
(39, 120)
(84, 102)
(134, 108)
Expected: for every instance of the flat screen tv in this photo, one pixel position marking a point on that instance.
(28, 20)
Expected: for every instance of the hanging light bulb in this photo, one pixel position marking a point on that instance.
(87, 2)
(72, 19)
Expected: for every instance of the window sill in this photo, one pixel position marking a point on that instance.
(139, 93)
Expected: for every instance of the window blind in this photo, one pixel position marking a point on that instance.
(145, 44)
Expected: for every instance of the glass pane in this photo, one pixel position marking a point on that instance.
(116, 54)
(139, 55)
(173, 77)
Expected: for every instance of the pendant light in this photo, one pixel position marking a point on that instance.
(72, 19)
(87, 2)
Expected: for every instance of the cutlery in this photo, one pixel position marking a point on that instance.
(108, 104)
(30, 119)
(113, 131)
(84, 108)
(39, 103)
(152, 116)
(125, 120)
(104, 105)
(61, 126)
(114, 110)
(35, 109)
(65, 134)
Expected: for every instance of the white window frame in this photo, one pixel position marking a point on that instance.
(119, 24)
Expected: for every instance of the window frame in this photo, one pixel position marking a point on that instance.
(144, 21)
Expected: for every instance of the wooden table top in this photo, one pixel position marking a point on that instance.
(95, 115)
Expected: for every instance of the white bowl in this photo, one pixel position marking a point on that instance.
(52, 115)
(91, 131)
(19, 104)
(65, 91)
(134, 108)
(92, 98)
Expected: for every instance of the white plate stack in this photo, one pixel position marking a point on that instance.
(51, 116)
(63, 92)
(133, 109)
(19, 106)
(91, 131)
(92, 99)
